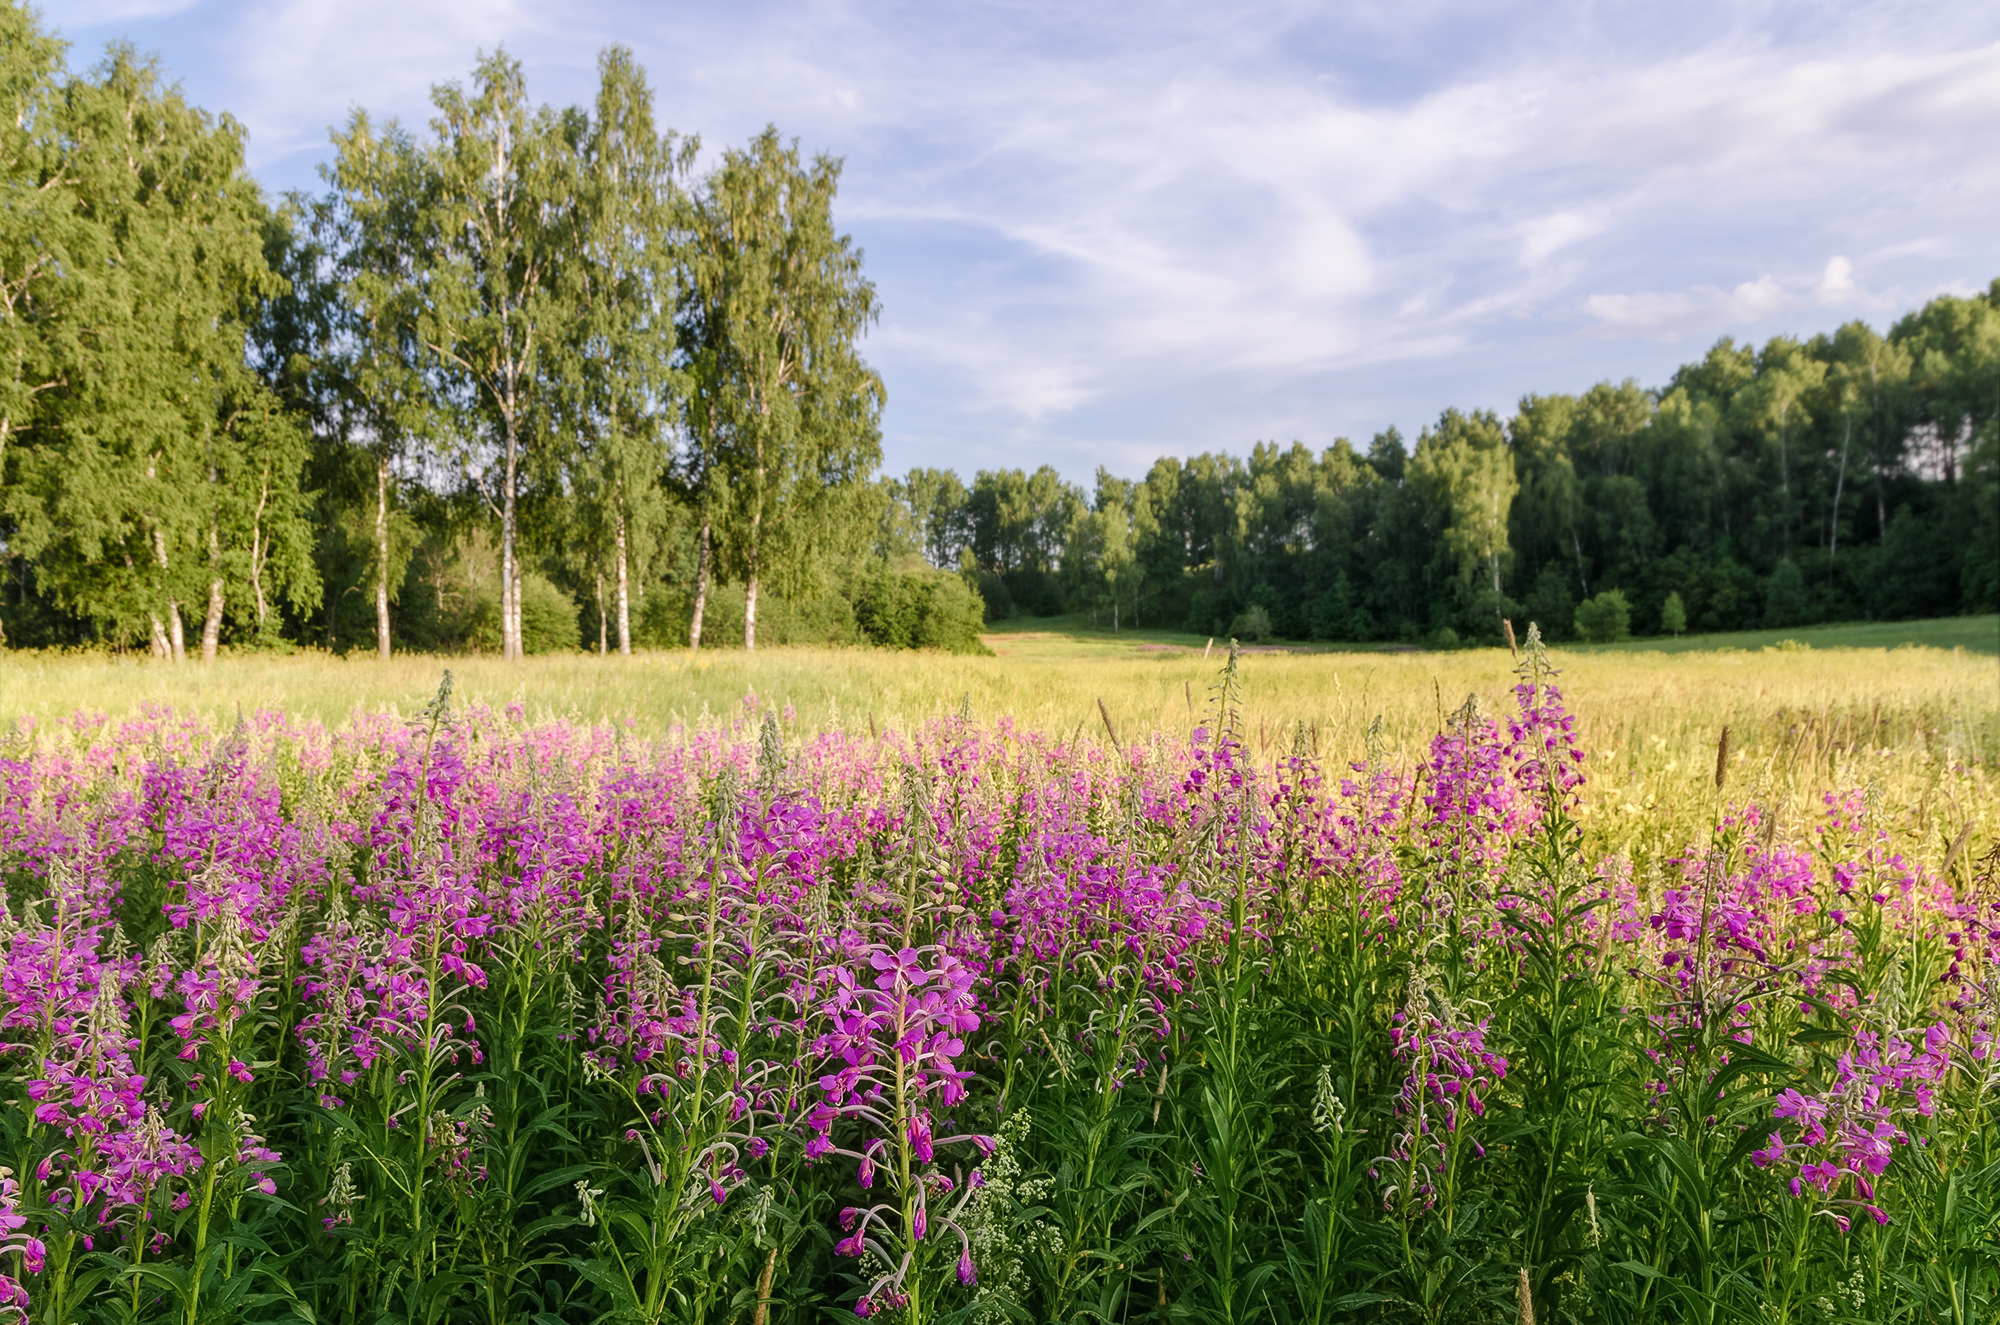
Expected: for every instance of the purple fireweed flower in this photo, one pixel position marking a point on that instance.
(1845, 1136)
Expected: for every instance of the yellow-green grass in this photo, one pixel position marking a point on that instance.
(1051, 680)
(1844, 714)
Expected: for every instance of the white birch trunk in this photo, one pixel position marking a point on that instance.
(510, 617)
(211, 625)
(382, 558)
(624, 593)
(700, 590)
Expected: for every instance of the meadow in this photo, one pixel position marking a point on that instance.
(1104, 979)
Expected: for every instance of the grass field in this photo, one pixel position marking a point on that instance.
(1049, 676)
(1974, 634)
(1649, 717)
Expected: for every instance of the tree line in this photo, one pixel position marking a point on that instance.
(524, 379)
(1847, 476)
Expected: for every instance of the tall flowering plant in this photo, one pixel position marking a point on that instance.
(568, 1023)
(683, 1054)
(390, 1033)
(1844, 1137)
(896, 1032)
(225, 923)
(91, 1148)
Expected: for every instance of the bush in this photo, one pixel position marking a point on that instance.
(548, 619)
(920, 610)
(1253, 623)
(1210, 610)
(993, 590)
(664, 615)
(1605, 619)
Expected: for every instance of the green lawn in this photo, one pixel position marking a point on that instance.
(1074, 637)
(1974, 634)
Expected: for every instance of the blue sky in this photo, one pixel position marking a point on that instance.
(1106, 232)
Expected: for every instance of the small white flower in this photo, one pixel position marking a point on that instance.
(587, 1196)
(1328, 1112)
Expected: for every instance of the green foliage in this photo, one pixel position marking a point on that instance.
(451, 601)
(822, 618)
(1253, 624)
(782, 402)
(920, 610)
(1604, 619)
(152, 477)
(1673, 614)
(1552, 605)
(548, 619)
(1785, 602)
(993, 592)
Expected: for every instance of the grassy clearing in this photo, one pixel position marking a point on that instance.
(1045, 681)
(1073, 636)
(1051, 680)
(1974, 634)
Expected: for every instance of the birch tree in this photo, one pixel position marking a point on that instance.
(499, 184)
(36, 219)
(128, 497)
(1465, 469)
(625, 397)
(780, 395)
(379, 235)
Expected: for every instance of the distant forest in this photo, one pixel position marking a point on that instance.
(520, 380)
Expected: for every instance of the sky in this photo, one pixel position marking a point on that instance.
(1105, 232)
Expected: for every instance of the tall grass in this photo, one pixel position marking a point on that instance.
(1642, 709)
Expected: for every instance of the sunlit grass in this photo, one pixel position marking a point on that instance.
(1651, 720)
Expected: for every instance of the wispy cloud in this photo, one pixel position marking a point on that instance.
(1673, 315)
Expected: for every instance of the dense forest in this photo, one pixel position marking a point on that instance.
(523, 380)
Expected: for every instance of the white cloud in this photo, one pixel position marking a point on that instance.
(90, 13)
(1836, 283)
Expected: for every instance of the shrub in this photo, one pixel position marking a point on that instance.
(993, 590)
(823, 618)
(920, 610)
(1252, 623)
(1605, 619)
(548, 619)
